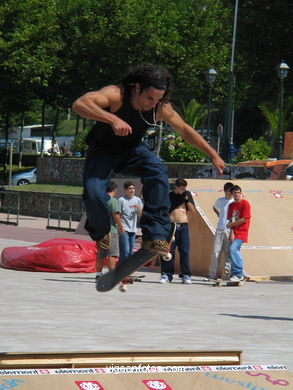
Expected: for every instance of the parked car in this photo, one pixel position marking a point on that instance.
(25, 177)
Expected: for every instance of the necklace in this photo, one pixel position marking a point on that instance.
(154, 119)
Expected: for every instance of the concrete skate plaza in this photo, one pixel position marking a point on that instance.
(52, 312)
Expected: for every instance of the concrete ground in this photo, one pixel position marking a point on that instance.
(44, 312)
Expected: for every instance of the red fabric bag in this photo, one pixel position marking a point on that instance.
(56, 255)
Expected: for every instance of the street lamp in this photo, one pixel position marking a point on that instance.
(228, 146)
(282, 72)
(211, 76)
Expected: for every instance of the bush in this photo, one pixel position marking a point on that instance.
(78, 143)
(175, 149)
(254, 150)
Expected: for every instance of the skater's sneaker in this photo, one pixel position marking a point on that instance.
(98, 277)
(186, 279)
(122, 287)
(104, 243)
(235, 278)
(157, 247)
(164, 279)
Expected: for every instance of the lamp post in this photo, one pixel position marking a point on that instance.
(282, 72)
(211, 76)
(229, 116)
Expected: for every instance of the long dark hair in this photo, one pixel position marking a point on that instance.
(147, 75)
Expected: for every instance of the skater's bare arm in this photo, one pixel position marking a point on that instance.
(92, 104)
(170, 116)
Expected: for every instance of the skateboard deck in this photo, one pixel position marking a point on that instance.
(227, 283)
(130, 265)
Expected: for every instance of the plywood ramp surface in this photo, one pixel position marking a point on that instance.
(209, 380)
(269, 250)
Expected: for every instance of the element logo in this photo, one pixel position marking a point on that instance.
(89, 385)
(156, 384)
(277, 194)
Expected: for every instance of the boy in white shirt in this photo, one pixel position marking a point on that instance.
(221, 241)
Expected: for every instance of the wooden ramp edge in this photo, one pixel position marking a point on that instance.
(101, 359)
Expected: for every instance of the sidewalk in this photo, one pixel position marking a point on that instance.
(33, 230)
(45, 312)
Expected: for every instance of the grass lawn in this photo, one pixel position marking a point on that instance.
(56, 189)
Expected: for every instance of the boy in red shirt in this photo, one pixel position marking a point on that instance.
(239, 217)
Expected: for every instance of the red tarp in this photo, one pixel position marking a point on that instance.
(56, 255)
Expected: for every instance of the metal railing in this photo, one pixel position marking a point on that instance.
(64, 208)
(9, 206)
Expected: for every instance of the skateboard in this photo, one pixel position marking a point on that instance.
(129, 266)
(227, 283)
(134, 278)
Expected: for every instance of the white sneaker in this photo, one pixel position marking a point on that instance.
(186, 279)
(236, 278)
(164, 279)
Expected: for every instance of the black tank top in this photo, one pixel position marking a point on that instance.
(102, 135)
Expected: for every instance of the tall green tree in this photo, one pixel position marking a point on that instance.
(264, 31)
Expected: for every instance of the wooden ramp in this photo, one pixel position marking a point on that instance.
(168, 370)
(149, 378)
(269, 251)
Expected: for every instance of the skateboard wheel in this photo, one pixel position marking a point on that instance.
(168, 257)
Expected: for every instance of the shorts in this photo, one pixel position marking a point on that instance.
(113, 250)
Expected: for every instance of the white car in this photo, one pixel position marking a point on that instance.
(26, 177)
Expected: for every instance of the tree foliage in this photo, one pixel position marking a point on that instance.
(56, 50)
(254, 150)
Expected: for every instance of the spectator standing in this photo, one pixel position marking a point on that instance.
(112, 253)
(221, 240)
(130, 207)
(239, 220)
(181, 204)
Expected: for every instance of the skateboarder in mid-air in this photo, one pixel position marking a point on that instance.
(123, 113)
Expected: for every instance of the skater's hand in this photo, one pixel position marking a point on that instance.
(219, 164)
(121, 128)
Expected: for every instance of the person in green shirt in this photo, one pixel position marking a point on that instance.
(112, 253)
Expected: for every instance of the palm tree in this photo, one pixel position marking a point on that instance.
(272, 115)
(193, 113)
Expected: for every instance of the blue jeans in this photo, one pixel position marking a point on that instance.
(182, 241)
(236, 258)
(139, 161)
(126, 245)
